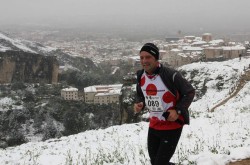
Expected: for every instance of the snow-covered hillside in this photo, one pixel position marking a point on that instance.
(67, 61)
(8, 43)
(212, 138)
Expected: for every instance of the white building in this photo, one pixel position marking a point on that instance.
(102, 94)
(70, 93)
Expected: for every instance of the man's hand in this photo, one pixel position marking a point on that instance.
(138, 107)
(172, 115)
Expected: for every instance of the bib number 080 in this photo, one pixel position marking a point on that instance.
(153, 103)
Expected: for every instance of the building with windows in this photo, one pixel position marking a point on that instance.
(207, 37)
(102, 94)
(70, 94)
(225, 52)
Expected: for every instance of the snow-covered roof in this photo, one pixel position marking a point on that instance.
(90, 89)
(218, 41)
(206, 34)
(211, 47)
(116, 85)
(103, 88)
(192, 48)
(71, 89)
(175, 50)
(182, 55)
(111, 92)
(233, 47)
(199, 43)
(190, 36)
(197, 39)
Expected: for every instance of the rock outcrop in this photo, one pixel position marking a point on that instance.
(20, 66)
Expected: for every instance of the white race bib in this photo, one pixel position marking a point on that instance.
(154, 103)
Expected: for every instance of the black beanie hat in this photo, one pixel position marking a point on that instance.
(152, 49)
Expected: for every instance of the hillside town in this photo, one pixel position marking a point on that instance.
(174, 51)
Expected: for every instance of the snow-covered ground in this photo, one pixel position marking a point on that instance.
(212, 138)
(7, 103)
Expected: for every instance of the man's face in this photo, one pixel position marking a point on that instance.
(148, 62)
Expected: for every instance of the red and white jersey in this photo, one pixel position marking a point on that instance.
(158, 100)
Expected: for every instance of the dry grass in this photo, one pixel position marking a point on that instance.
(242, 162)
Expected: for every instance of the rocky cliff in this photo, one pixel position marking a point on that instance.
(20, 66)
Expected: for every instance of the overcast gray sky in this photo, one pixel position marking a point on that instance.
(158, 14)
